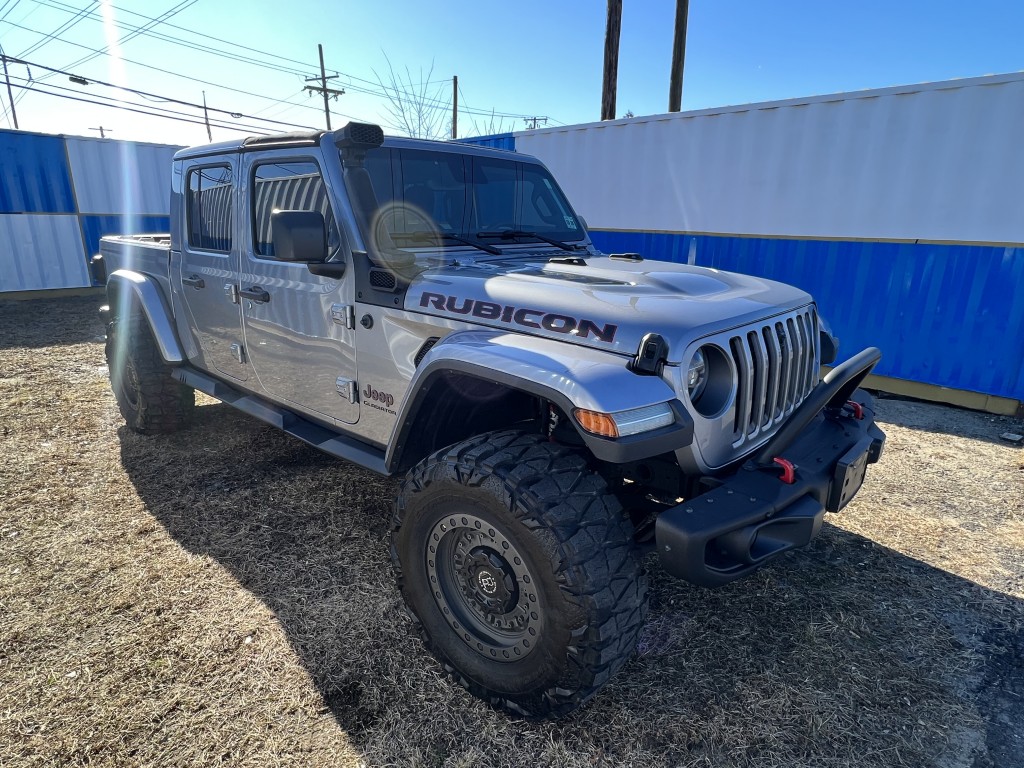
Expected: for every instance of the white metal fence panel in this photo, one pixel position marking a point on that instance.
(123, 177)
(41, 251)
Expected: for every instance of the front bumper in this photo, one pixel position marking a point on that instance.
(755, 515)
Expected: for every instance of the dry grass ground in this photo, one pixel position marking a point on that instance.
(223, 596)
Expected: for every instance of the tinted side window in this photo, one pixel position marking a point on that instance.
(494, 193)
(543, 207)
(295, 186)
(209, 208)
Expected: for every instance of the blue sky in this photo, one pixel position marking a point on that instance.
(519, 58)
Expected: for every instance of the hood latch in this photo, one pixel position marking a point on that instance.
(651, 355)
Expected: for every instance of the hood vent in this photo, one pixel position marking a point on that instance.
(427, 346)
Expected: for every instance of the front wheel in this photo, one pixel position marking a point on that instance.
(520, 569)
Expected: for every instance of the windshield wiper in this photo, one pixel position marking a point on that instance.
(426, 236)
(509, 234)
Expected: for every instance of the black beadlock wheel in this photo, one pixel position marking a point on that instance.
(520, 571)
(150, 400)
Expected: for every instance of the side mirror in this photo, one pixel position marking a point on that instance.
(299, 236)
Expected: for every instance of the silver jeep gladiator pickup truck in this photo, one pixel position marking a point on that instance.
(437, 311)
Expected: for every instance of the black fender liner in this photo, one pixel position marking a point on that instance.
(619, 450)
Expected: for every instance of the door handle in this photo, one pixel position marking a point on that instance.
(256, 294)
(194, 280)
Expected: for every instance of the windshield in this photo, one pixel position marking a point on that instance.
(425, 195)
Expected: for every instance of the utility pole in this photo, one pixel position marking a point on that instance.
(533, 122)
(102, 130)
(206, 118)
(9, 94)
(611, 59)
(322, 88)
(675, 88)
(455, 107)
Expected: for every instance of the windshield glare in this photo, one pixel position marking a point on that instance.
(423, 192)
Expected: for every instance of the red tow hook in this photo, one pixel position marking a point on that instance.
(788, 470)
(858, 410)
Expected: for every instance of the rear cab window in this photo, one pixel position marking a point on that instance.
(209, 207)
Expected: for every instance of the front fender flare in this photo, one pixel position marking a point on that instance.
(567, 375)
(126, 290)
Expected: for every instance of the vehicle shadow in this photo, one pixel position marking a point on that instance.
(847, 653)
(36, 323)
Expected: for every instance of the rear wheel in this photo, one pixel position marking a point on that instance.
(520, 569)
(149, 399)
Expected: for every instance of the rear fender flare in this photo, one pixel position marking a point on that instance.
(567, 375)
(128, 290)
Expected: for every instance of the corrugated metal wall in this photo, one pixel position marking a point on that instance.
(899, 209)
(59, 195)
(949, 315)
(495, 141)
(940, 162)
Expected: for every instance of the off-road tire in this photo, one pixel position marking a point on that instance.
(149, 399)
(541, 502)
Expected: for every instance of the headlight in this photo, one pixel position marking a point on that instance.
(696, 376)
(710, 381)
(625, 423)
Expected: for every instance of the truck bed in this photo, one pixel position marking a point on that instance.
(150, 254)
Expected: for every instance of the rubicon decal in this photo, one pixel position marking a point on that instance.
(528, 318)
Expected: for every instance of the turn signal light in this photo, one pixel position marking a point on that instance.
(596, 423)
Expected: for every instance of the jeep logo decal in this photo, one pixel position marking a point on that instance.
(528, 318)
(385, 399)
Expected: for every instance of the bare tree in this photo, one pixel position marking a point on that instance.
(489, 125)
(417, 107)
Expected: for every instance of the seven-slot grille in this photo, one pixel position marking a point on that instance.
(777, 366)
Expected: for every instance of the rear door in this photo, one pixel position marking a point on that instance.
(205, 274)
(298, 326)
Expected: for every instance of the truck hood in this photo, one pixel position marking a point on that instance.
(600, 302)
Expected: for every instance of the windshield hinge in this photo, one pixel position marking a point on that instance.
(344, 314)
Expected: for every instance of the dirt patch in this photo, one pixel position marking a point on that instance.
(224, 595)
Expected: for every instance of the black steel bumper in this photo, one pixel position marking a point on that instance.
(761, 511)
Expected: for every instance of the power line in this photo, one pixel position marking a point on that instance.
(144, 94)
(184, 4)
(79, 16)
(110, 101)
(8, 11)
(376, 89)
(97, 52)
(170, 72)
(172, 115)
(304, 66)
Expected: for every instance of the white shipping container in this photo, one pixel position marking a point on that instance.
(938, 162)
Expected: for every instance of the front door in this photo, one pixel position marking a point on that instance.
(205, 273)
(298, 326)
